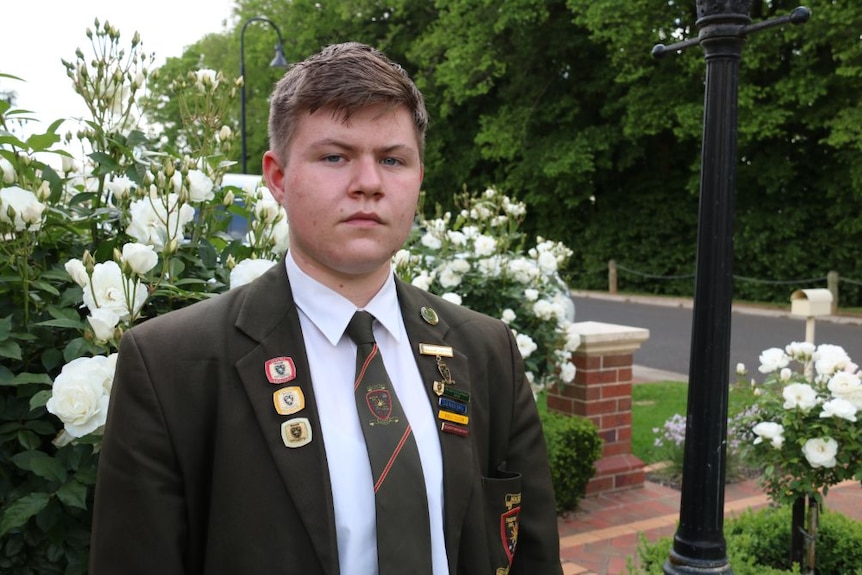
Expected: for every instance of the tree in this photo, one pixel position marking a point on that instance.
(560, 103)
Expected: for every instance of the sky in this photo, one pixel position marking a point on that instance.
(36, 34)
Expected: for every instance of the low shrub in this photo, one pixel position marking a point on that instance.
(758, 543)
(573, 448)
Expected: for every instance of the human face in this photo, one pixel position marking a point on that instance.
(350, 190)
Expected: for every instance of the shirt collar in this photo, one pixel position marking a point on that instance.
(331, 312)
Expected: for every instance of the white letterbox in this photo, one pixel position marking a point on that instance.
(811, 302)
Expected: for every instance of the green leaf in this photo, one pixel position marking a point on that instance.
(39, 399)
(12, 141)
(73, 493)
(75, 349)
(105, 162)
(41, 464)
(6, 376)
(46, 287)
(21, 510)
(25, 378)
(5, 327)
(28, 439)
(42, 142)
(62, 322)
(10, 349)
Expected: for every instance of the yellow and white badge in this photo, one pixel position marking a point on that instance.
(288, 400)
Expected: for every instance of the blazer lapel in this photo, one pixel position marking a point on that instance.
(458, 456)
(270, 317)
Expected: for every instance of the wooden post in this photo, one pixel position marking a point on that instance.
(832, 284)
(612, 276)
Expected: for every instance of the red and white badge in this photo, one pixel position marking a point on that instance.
(280, 370)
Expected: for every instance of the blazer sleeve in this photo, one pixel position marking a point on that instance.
(139, 517)
(538, 544)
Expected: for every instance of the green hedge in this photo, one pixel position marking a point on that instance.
(758, 543)
(573, 448)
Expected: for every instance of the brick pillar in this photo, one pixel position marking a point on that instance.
(602, 393)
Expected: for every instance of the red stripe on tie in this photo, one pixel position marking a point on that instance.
(392, 459)
(365, 365)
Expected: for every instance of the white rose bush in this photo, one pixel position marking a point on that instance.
(805, 422)
(91, 245)
(477, 258)
(805, 431)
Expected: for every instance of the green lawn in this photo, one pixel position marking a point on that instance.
(652, 405)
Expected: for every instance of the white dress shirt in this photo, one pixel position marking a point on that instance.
(324, 315)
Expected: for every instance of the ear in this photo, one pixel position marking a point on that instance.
(273, 174)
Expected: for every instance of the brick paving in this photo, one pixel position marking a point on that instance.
(601, 537)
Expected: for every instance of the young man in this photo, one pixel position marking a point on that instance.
(244, 432)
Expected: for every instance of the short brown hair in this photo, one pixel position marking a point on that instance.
(343, 78)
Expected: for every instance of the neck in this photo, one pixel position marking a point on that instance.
(358, 288)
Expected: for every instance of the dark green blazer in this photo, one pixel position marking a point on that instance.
(194, 476)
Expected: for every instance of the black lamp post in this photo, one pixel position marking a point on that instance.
(699, 545)
(279, 61)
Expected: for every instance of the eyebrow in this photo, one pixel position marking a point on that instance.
(383, 150)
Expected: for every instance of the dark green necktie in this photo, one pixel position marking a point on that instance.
(403, 532)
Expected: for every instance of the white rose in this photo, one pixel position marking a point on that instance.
(573, 338)
(248, 270)
(276, 235)
(801, 351)
(508, 316)
(484, 246)
(567, 372)
(449, 278)
(401, 258)
(773, 359)
(769, 431)
(108, 289)
(740, 369)
(75, 268)
(452, 297)
(490, 267)
(547, 262)
(140, 257)
(103, 321)
(840, 408)
(531, 294)
(457, 238)
(785, 374)
(431, 241)
(8, 171)
(119, 187)
(155, 220)
(799, 395)
(26, 206)
(199, 185)
(845, 385)
(829, 359)
(821, 452)
(422, 281)
(79, 396)
(526, 345)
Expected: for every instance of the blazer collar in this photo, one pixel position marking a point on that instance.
(459, 460)
(269, 316)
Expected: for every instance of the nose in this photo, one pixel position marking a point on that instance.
(366, 177)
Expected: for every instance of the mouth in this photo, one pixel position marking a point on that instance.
(363, 218)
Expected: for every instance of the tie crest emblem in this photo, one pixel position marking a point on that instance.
(379, 402)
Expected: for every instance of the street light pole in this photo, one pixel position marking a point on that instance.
(279, 61)
(699, 545)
